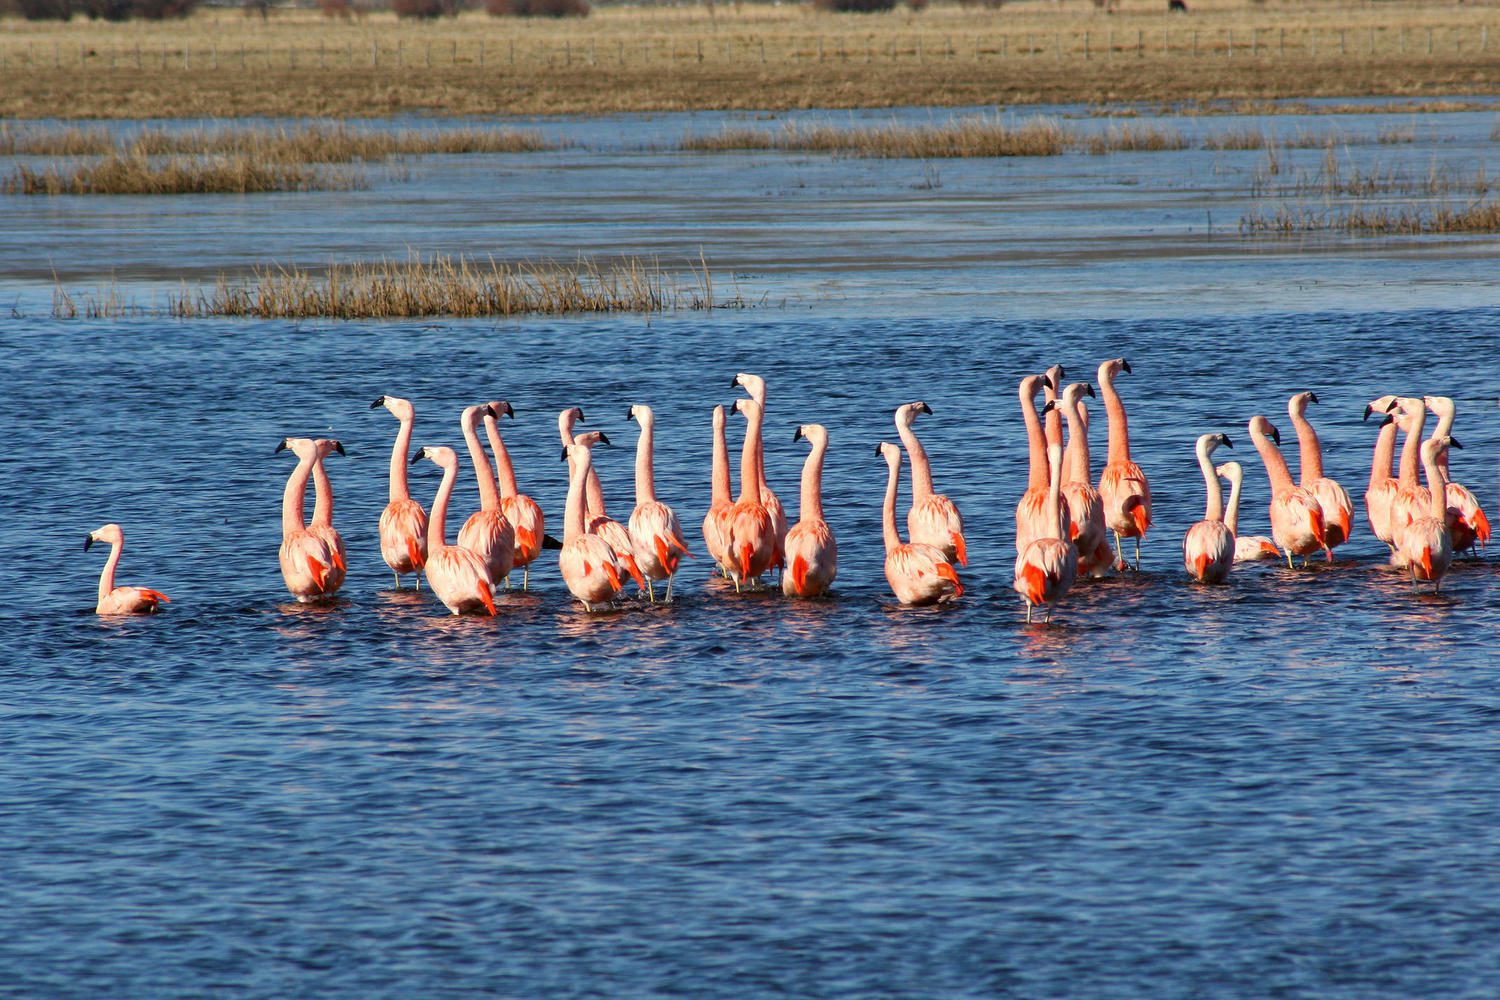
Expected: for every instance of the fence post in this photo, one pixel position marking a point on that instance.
(1085, 46)
(1229, 48)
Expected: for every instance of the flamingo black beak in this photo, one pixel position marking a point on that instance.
(1276, 436)
(797, 436)
(1126, 366)
(87, 541)
(510, 411)
(1047, 382)
(734, 382)
(280, 446)
(1453, 443)
(417, 455)
(1048, 407)
(1088, 389)
(378, 403)
(926, 409)
(1224, 440)
(1369, 410)
(877, 451)
(1387, 420)
(604, 440)
(581, 418)
(564, 456)
(339, 447)
(1312, 397)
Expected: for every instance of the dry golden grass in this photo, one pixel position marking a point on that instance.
(220, 64)
(962, 138)
(177, 175)
(1133, 138)
(1405, 220)
(336, 143)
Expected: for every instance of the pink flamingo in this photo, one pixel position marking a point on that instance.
(1380, 495)
(588, 565)
(120, 600)
(1412, 498)
(1338, 509)
(1466, 519)
(486, 533)
(653, 524)
(306, 560)
(523, 513)
(752, 530)
(1426, 546)
(1247, 548)
(1208, 548)
(322, 516)
(756, 387)
(1052, 422)
(1046, 569)
(918, 573)
(716, 523)
(812, 554)
(459, 576)
(1296, 515)
(403, 523)
(1032, 518)
(933, 519)
(1122, 484)
(1085, 507)
(596, 519)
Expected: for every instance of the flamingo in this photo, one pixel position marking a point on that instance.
(1208, 547)
(812, 554)
(652, 524)
(1381, 493)
(1122, 485)
(933, 518)
(752, 530)
(1296, 515)
(716, 523)
(1046, 569)
(756, 387)
(523, 513)
(1338, 509)
(918, 573)
(588, 564)
(1032, 518)
(1412, 499)
(459, 576)
(1053, 424)
(306, 560)
(1426, 545)
(596, 519)
(1466, 517)
(1247, 548)
(1085, 508)
(120, 600)
(322, 516)
(486, 533)
(403, 523)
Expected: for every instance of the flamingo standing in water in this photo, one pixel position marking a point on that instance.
(322, 515)
(752, 531)
(1380, 495)
(918, 573)
(1085, 508)
(588, 564)
(1427, 543)
(716, 523)
(653, 524)
(1466, 518)
(1052, 423)
(1031, 513)
(403, 523)
(120, 600)
(1296, 515)
(523, 513)
(811, 552)
(1412, 498)
(1122, 485)
(1208, 547)
(933, 518)
(596, 519)
(486, 533)
(1046, 569)
(756, 387)
(1338, 509)
(306, 559)
(459, 576)
(1247, 548)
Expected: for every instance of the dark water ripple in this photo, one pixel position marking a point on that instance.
(1285, 787)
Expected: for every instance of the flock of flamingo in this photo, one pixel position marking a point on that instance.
(1063, 521)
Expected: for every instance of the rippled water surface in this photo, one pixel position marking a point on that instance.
(1281, 787)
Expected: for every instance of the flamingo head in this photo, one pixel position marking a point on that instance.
(749, 407)
(641, 414)
(443, 457)
(719, 417)
(891, 453)
(1442, 406)
(1207, 443)
(1297, 405)
(304, 448)
(323, 447)
(499, 408)
(1260, 425)
(110, 534)
(814, 433)
(1109, 369)
(400, 408)
(1071, 395)
(1231, 471)
(753, 384)
(906, 414)
(1385, 404)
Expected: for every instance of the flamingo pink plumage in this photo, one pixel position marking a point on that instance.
(933, 518)
(322, 516)
(1296, 515)
(653, 524)
(1032, 519)
(114, 600)
(1380, 495)
(1247, 548)
(1412, 498)
(752, 531)
(486, 533)
(756, 387)
(403, 522)
(1466, 518)
(1208, 547)
(918, 573)
(1046, 569)
(716, 522)
(811, 551)
(306, 560)
(459, 576)
(587, 563)
(1085, 507)
(1426, 546)
(1338, 509)
(1122, 485)
(523, 513)
(596, 518)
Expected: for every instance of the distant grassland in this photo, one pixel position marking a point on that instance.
(220, 64)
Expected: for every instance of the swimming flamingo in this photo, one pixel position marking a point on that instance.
(322, 515)
(716, 523)
(933, 518)
(1122, 484)
(917, 572)
(1085, 508)
(1032, 518)
(596, 519)
(1296, 515)
(523, 513)
(306, 560)
(1381, 493)
(1466, 519)
(756, 387)
(653, 524)
(752, 531)
(486, 533)
(1208, 547)
(1247, 548)
(403, 523)
(1427, 544)
(1412, 498)
(1046, 569)
(120, 600)
(459, 576)
(588, 565)
(1338, 509)
(811, 552)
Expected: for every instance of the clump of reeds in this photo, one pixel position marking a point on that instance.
(964, 137)
(1240, 138)
(36, 141)
(1135, 138)
(1396, 136)
(450, 286)
(177, 175)
(1406, 220)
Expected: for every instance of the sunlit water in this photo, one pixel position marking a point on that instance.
(1285, 786)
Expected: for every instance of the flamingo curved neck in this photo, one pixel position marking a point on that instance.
(489, 497)
(1078, 444)
(1054, 492)
(573, 528)
(1054, 419)
(399, 489)
(1119, 427)
(812, 481)
(1232, 514)
(722, 488)
(1036, 477)
(294, 497)
(435, 520)
(1309, 450)
(888, 511)
(1437, 486)
(1276, 467)
(1411, 451)
(322, 495)
(107, 576)
(1382, 466)
(921, 469)
(1215, 509)
(750, 472)
(645, 481)
(505, 472)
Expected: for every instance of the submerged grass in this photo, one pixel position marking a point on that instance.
(135, 174)
(1133, 138)
(1403, 220)
(337, 143)
(964, 137)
